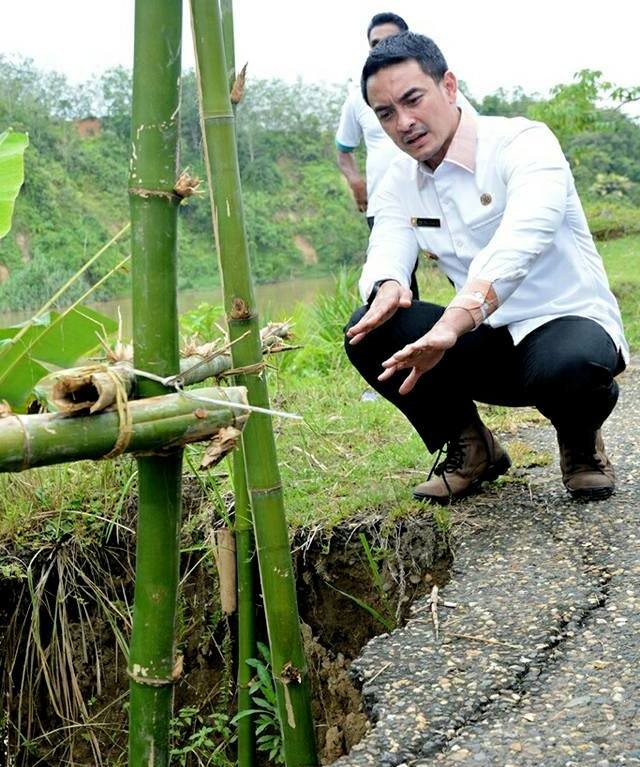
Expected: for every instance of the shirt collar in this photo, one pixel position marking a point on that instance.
(462, 150)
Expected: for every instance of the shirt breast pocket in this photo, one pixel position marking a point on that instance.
(482, 229)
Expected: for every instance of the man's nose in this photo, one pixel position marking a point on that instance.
(406, 120)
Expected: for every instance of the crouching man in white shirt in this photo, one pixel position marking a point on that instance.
(533, 321)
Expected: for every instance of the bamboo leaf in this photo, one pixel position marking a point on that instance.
(12, 148)
(246, 712)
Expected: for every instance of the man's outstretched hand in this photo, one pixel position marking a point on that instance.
(390, 297)
(422, 355)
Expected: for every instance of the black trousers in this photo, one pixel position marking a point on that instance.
(564, 368)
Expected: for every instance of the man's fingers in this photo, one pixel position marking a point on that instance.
(410, 381)
(356, 339)
(386, 374)
(407, 354)
(371, 320)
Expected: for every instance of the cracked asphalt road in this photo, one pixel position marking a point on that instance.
(538, 662)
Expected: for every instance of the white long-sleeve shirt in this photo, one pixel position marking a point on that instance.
(501, 207)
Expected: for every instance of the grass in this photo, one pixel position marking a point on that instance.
(622, 261)
(348, 457)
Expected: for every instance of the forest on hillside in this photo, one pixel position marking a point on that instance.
(300, 216)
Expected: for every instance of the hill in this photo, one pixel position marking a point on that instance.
(300, 217)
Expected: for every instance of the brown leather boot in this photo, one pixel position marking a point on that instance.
(587, 473)
(475, 456)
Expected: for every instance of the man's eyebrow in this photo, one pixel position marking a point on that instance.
(411, 92)
(414, 90)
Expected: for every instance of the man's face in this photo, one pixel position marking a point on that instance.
(380, 32)
(417, 113)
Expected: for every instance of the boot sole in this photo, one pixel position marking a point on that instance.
(492, 473)
(592, 494)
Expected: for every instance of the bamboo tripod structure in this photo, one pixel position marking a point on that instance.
(44, 440)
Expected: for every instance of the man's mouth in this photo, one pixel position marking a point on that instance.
(414, 138)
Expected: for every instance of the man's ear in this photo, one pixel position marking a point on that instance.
(450, 85)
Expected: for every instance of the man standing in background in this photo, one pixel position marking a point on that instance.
(357, 122)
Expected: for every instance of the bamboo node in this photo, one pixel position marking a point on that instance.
(237, 91)
(186, 185)
(239, 309)
(266, 490)
(139, 674)
(125, 427)
(137, 191)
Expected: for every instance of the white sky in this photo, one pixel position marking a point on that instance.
(488, 43)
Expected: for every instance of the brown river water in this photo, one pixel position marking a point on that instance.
(276, 301)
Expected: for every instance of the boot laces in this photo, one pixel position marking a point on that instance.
(453, 461)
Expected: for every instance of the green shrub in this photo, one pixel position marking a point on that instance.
(610, 218)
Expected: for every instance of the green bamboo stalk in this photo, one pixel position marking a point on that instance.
(245, 551)
(154, 213)
(245, 542)
(228, 38)
(270, 527)
(157, 425)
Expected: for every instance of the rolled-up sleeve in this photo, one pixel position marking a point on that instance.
(537, 178)
(393, 247)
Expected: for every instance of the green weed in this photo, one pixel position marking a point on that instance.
(201, 739)
(263, 695)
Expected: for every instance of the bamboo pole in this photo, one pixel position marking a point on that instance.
(156, 425)
(154, 211)
(245, 542)
(247, 648)
(228, 39)
(271, 533)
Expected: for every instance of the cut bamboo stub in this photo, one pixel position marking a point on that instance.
(223, 545)
(157, 425)
(94, 388)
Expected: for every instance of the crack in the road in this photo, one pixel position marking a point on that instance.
(545, 656)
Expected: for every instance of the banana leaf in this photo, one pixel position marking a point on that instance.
(12, 146)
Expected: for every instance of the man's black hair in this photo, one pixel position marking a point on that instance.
(404, 47)
(387, 18)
